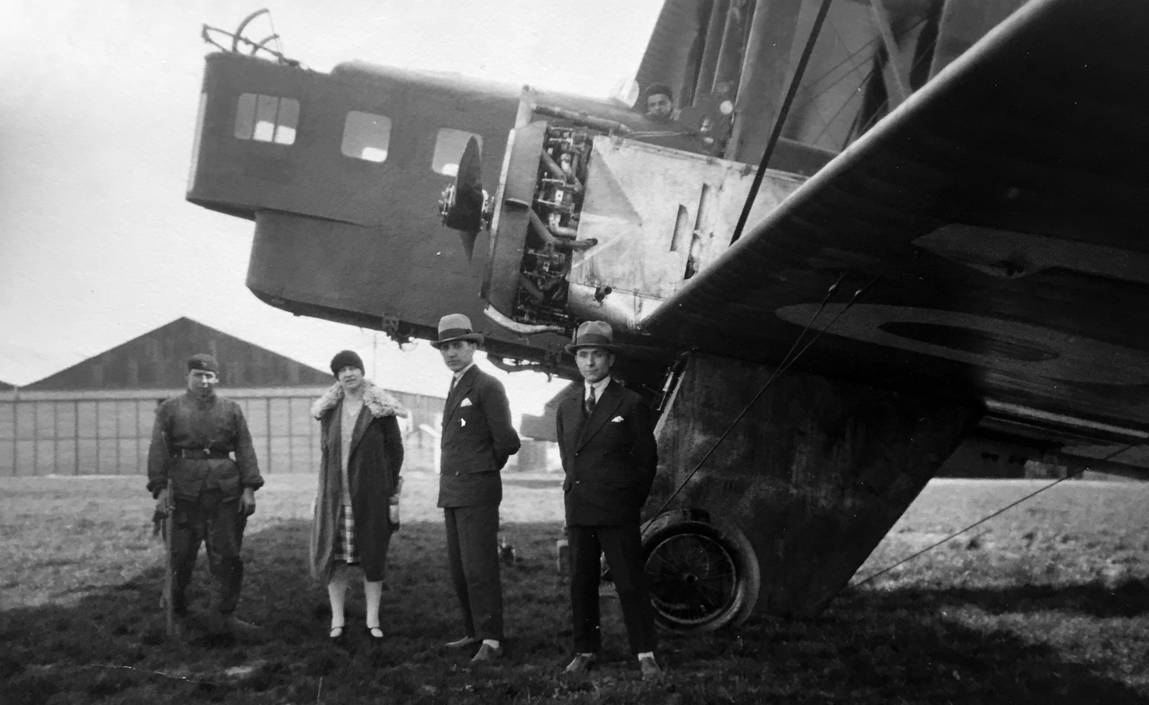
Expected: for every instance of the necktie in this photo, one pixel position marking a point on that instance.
(452, 387)
(588, 405)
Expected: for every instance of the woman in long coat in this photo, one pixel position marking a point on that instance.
(356, 507)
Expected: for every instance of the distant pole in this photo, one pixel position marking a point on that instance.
(169, 579)
(374, 354)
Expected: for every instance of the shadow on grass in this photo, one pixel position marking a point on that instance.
(869, 647)
(1127, 598)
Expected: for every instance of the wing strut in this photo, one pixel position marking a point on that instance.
(776, 133)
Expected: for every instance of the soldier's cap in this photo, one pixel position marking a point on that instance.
(203, 361)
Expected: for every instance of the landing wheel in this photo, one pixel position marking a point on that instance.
(702, 576)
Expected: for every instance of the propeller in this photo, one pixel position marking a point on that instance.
(464, 211)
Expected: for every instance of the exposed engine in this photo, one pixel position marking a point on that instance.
(554, 217)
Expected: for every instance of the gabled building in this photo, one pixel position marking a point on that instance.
(155, 360)
(96, 416)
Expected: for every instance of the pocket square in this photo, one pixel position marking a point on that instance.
(616, 419)
(466, 401)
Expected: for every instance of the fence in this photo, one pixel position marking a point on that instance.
(108, 432)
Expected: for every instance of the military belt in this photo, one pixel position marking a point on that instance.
(200, 454)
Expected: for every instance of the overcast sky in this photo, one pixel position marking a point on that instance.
(97, 110)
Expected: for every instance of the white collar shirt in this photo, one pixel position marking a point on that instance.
(599, 388)
(458, 376)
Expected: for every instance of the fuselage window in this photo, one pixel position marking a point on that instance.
(449, 146)
(266, 118)
(366, 136)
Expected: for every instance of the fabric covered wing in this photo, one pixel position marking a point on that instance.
(996, 222)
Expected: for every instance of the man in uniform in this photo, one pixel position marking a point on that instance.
(477, 439)
(606, 441)
(202, 470)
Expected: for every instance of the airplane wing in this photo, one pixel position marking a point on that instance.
(996, 223)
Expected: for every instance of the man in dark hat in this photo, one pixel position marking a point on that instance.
(606, 441)
(658, 102)
(202, 469)
(477, 439)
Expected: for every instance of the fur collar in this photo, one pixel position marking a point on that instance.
(377, 400)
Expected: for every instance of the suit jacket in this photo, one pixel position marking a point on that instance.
(477, 439)
(609, 458)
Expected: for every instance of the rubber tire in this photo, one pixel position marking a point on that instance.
(701, 553)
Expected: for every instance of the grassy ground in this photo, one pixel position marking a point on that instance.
(1046, 604)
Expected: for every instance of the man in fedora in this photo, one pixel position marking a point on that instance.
(202, 469)
(477, 439)
(606, 441)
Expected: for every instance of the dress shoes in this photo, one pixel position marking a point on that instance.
(487, 654)
(462, 643)
(649, 668)
(581, 663)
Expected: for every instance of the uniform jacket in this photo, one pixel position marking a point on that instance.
(609, 458)
(373, 467)
(477, 439)
(191, 422)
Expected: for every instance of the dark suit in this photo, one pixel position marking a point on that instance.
(477, 438)
(609, 460)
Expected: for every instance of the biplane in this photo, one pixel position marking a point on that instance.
(876, 231)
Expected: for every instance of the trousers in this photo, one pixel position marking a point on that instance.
(473, 559)
(217, 522)
(622, 546)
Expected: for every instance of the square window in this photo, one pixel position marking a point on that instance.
(366, 136)
(449, 146)
(266, 118)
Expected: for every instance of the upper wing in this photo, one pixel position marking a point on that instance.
(1000, 216)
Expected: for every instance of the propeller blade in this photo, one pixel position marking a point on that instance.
(467, 210)
(466, 213)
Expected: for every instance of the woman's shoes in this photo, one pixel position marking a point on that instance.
(338, 633)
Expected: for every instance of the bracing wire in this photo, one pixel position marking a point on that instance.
(780, 118)
(979, 522)
(797, 349)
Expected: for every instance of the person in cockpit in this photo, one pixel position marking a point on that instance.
(658, 103)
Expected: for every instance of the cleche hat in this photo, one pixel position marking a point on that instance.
(346, 358)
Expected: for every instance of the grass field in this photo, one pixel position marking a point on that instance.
(1047, 604)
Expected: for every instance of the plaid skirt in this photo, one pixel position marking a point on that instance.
(345, 549)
